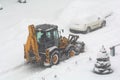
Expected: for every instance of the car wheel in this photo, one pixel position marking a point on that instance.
(103, 24)
(55, 58)
(88, 30)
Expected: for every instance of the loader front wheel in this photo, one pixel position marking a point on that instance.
(71, 53)
(55, 58)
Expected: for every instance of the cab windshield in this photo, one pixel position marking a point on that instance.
(39, 35)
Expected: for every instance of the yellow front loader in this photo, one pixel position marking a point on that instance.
(45, 45)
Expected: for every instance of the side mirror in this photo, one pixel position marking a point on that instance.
(62, 30)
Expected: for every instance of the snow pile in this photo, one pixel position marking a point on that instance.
(103, 65)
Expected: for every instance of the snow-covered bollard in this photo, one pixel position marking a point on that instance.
(56, 77)
(22, 1)
(103, 66)
(76, 62)
(43, 78)
(112, 51)
(1, 7)
(90, 59)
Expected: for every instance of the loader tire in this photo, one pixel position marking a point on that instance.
(78, 48)
(71, 53)
(54, 58)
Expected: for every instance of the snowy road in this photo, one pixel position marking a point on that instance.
(15, 18)
(20, 72)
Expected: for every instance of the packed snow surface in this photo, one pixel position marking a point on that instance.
(15, 18)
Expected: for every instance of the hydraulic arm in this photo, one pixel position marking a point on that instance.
(31, 44)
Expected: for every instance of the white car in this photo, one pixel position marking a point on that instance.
(88, 24)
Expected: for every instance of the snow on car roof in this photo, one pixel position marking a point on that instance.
(84, 19)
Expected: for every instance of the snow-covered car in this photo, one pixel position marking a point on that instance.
(88, 24)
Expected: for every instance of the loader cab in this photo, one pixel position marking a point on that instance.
(47, 36)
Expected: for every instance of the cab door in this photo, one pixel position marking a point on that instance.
(49, 39)
(56, 38)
